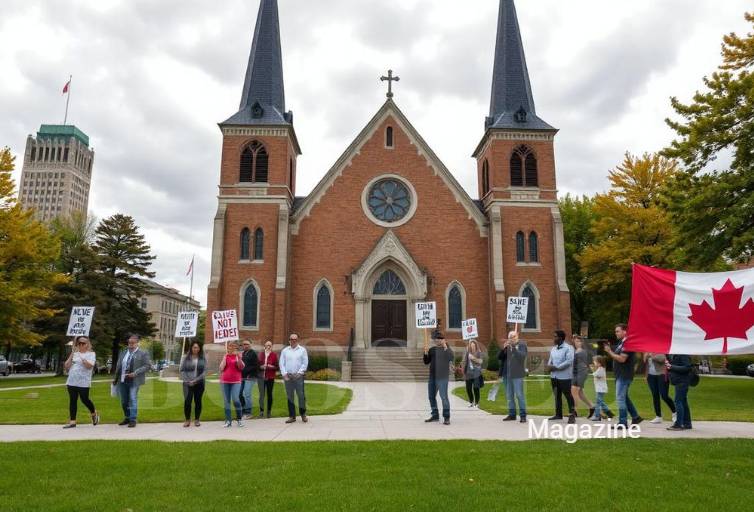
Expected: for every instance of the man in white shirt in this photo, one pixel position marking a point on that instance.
(294, 361)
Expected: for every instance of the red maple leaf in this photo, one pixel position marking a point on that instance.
(728, 319)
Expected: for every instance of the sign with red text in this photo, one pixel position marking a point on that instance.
(225, 326)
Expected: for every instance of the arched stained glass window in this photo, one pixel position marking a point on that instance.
(531, 317)
(259, 244)
(389, 284)
(323, 307)
(520, 247)
(533, 248)
(455, 308)
(250, 306)
(245, 242)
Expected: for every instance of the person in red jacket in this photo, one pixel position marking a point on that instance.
(268, 368)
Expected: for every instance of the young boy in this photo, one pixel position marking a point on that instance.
(600, 386)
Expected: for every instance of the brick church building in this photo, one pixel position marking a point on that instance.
(388, 225)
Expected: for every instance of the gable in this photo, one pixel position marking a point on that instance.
(390, 110)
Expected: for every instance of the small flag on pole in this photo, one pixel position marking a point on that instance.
(191, 267)
(67, 87)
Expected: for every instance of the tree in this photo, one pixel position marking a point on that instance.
(715, 210)
(154, 348)
(124, 258)
(27, 255)
(578, 216)
(630, 227)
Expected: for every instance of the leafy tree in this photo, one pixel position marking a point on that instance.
(715, 210)
(630, 227)
(27, 274)
(578, 216)
(154, 348)
(201, 325)
(124, 258)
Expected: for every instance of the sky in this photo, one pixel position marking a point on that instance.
(151, 80)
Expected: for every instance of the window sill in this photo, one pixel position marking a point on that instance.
(520, 264)
(251, 262)
(323, 329)
(532, 331)
(249, 328)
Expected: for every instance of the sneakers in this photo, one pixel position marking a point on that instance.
(291, 420)
(186, 424)
(675, 417)
(240, 423)
(656, 421)
(596, 417)
(131, 424)
(70, 425)
(510, 417)
(228, 424)
(610, 414)
(197, 423)
(471, 405)
(95, 419)
(305, 419)
(675, 428)
(123, 423)
(637, 420)
(555, 418)
(591, 412)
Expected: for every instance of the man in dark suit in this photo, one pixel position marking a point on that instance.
(130, 375)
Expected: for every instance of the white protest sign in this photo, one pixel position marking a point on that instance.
(518, 310)
(81, 321)
(225, 326)
(470, 330)
(185, 327)
(426, 315)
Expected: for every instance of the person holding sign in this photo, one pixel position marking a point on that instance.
(472, 372)
(79, 366)
(130, 375)
(513, 371)
(440, 359)
(560, 367)
(193, 370)
(230, 382)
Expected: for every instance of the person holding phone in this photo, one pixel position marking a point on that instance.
(193, 370)
(623, 367)
(472, 371)
(231, 367)
(79, 366)
(440, 359)
(130, 374)
(512, 359)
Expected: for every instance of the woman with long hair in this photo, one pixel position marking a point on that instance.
(80, 365)
(230, 382)
(193, 371)
(472, 371)
(580, 373)
(268, 369)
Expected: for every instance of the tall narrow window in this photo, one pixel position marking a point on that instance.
(520, 247)
(533, 248)
(524, 168)
(290, 178)
(33, 153)
(324, 307)
(245, 243)
(531, 317)
(389, 137)
(254, 164)
(455, 308)
(259, 244)
(250, 306)
(485, 178)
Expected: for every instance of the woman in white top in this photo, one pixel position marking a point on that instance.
(80, 365)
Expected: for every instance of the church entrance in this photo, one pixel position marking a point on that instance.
(389, 323)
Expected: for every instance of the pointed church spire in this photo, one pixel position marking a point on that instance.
(263, 98)
(512, 104)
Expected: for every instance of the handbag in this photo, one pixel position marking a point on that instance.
(480, 381)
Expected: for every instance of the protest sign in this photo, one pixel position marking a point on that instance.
(470, 330)
(518, 310)
(81, 321)
(426, 315)
(185, 326)
(225, 326)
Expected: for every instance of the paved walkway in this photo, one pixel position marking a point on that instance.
(385, 411)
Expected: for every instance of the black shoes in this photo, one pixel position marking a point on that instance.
(676, 428)
(123, 423)
(637, 420)
(610, 414)
(131, 424)
(446, 421)
(70, 425)
(555, 418)
(431, 420)
(572, 418)
(510, 418)
(523, 419)
(591, 413)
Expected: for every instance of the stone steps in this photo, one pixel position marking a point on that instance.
(388, 365)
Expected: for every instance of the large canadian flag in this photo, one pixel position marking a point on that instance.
(696, 314)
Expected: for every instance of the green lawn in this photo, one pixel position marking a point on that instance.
(38, 381)
(715, 399)
(623, 475)
(159, 401)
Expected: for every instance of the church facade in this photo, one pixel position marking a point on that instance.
(388, 225)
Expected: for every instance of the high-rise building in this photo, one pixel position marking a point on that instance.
(57, 172)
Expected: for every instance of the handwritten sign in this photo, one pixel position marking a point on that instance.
(426, 315)
(518, 310)
(81, 321)
(470, 330)
(225, 326)
(185, 327)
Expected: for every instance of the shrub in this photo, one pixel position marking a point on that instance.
(490, 376)
(326, 374)
(493, 364)
(323, 362)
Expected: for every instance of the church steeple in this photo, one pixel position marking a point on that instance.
(263, 98)
(512, 103)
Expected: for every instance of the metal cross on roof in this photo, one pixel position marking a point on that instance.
(390, 79)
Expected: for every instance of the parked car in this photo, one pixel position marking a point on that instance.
(750, 370)
(27, 366)
(6, 367)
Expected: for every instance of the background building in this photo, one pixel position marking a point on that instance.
(57, 172)
(163, 304)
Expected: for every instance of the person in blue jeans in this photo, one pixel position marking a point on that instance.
(440, 359)
(512, 358)
(130, 374)
(679, 369)
(623, 368)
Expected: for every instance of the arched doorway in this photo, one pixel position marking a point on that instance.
(389, 311)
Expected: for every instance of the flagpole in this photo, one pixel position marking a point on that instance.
(188, 302)
(68, 100)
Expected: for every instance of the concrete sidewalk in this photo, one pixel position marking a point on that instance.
(378, 411)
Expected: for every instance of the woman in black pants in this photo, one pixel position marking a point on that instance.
(472, 370)
(193, 370)
(80, 365)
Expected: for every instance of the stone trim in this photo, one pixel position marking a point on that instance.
(537, 308)
(496, 229)
(412, 208)
(218, 239)
(282, 255)
(263, 131)
(490, 136)
(559, 239)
